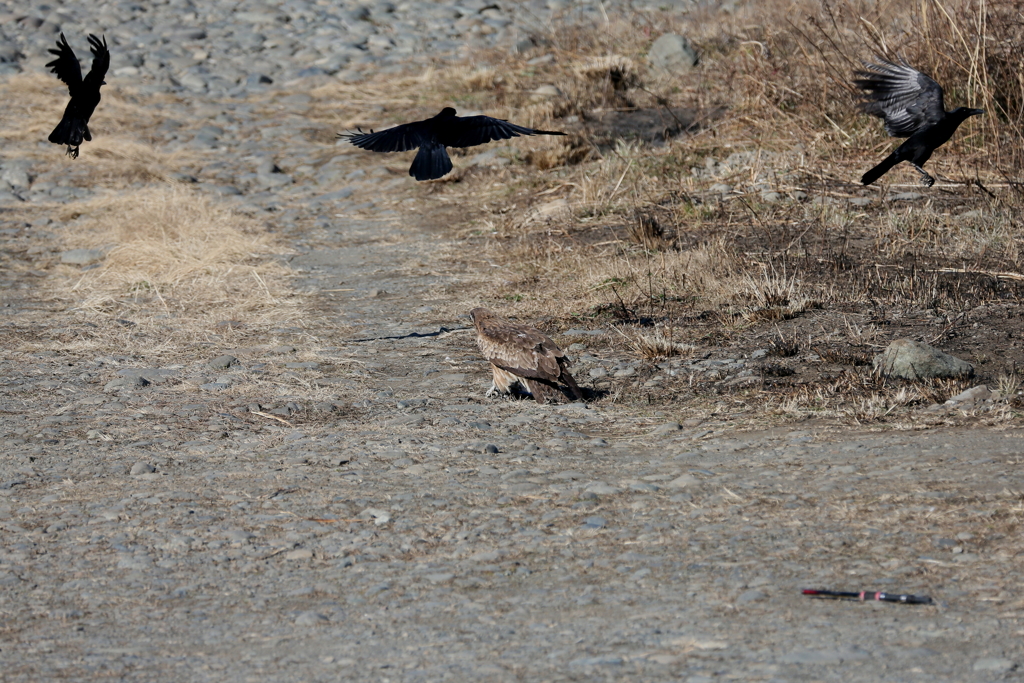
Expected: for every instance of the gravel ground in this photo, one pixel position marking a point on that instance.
(326, 504)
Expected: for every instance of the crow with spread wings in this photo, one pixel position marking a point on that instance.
(912, 107)
(85, 92)
(433, 135)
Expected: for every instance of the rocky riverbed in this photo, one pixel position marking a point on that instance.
(332, 497)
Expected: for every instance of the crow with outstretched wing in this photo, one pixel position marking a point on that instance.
(85, 92)
(432, 136)
(912, 106)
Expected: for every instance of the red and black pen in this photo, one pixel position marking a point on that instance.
(870, 595)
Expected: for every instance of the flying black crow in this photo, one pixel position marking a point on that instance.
(911, 104)
(85, 92)
(433, 135)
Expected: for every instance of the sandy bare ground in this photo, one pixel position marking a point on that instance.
(244, 436)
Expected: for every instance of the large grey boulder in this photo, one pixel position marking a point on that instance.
(909, 359)
(672, 52)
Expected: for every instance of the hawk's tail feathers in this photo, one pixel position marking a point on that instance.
(542, 392)
(575, 388)
(431, 162)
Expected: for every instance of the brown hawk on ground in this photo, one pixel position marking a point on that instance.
(523, 356)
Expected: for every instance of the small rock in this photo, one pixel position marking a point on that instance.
(721, 188)
(545, 92)
(15, 177)
(602, 660)
(142, 468)
(996, 664)
(558, 208)
(594, 523)
(488, 159)
(379, 517)
(283, 349)
(125, 383)
(82, 257)
(978, 393)
(684, 481)
(222, 362)
(667, 428)
(752, 595)
(909, 359)
(823, 657)
(672, 52)
(299, 554)
(310, 619)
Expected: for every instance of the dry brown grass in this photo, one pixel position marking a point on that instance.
(627, 233)
(177, 251)
(33, 105)
(118, 162)
(656, 345)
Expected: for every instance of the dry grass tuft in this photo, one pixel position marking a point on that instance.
(772, 289)
(177, 250)
(484, 78)
(647, 231)
(656, 345)
(118, 163)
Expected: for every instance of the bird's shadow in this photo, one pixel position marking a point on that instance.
(593, 395)
(589, 395)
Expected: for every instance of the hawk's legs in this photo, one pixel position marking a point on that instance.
(926, 179)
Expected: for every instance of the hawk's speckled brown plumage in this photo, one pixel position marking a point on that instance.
(523, 355)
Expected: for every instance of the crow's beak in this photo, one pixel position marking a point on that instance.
(975, 112)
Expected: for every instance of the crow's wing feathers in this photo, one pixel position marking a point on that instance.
(477, 130)
(66, 65)
(100, 61)
(398, 139)
(907, 99)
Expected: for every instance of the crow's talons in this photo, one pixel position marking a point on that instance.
(73, 152)
(926, 179)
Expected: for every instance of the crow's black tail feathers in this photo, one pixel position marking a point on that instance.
(70, 131)
(880, 170)
(431, 162)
